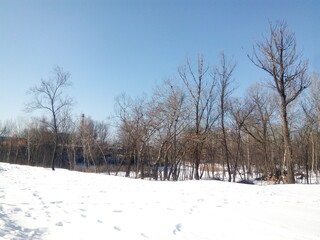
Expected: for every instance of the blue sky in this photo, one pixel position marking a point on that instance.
(110, 47)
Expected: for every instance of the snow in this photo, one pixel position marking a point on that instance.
(37, 203)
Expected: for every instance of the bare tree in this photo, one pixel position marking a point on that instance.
(38, 137)
(277, 55)
(200, 87)
(135, 131)
(50, 96)
(258, 124)
(170, 116)
(311, 109)
(3, 129)
(93, 137)
(224, 75)
(240, 112)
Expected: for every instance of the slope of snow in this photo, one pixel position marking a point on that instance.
(37, 203)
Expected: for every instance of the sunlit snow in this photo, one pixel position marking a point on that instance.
(37, 203)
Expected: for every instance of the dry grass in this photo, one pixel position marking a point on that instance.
(211, 168)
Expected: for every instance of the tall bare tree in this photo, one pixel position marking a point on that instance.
(200, 88)
(224, 77)
(170, 116)
(50, 96)
(258, 125)
(135, 131)
(240, 111)
(277, 55)
(311, 108)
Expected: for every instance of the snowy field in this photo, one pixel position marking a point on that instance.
(37, 203)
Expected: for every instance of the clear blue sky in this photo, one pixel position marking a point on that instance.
(110, 47)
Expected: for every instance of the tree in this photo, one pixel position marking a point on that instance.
(93, 140)
(170, 117)
(135, 131)
(240, 112)
(311, 109)
(277, 56)
(258, 124)
(38, 136)
(50, 96)
(224, 74)
(200, 88)
(3, 130)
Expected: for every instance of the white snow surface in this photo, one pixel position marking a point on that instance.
(37, 203)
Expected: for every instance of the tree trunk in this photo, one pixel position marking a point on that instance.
(287, 160)
(226, 150)
(130, 159)
(197, 163)
(9, 151)
(55, 136)
(54, 154)
(28, 148)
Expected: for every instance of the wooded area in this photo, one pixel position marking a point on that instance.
(190, 128)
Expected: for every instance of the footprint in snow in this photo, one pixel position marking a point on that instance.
(117, 228)
(27, 214)
(59, 224)
(143, 235)
(16, 210)
(177, 229)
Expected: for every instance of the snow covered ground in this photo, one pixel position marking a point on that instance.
(37, 203)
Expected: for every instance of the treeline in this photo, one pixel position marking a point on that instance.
(190, 128)
(83, 142)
